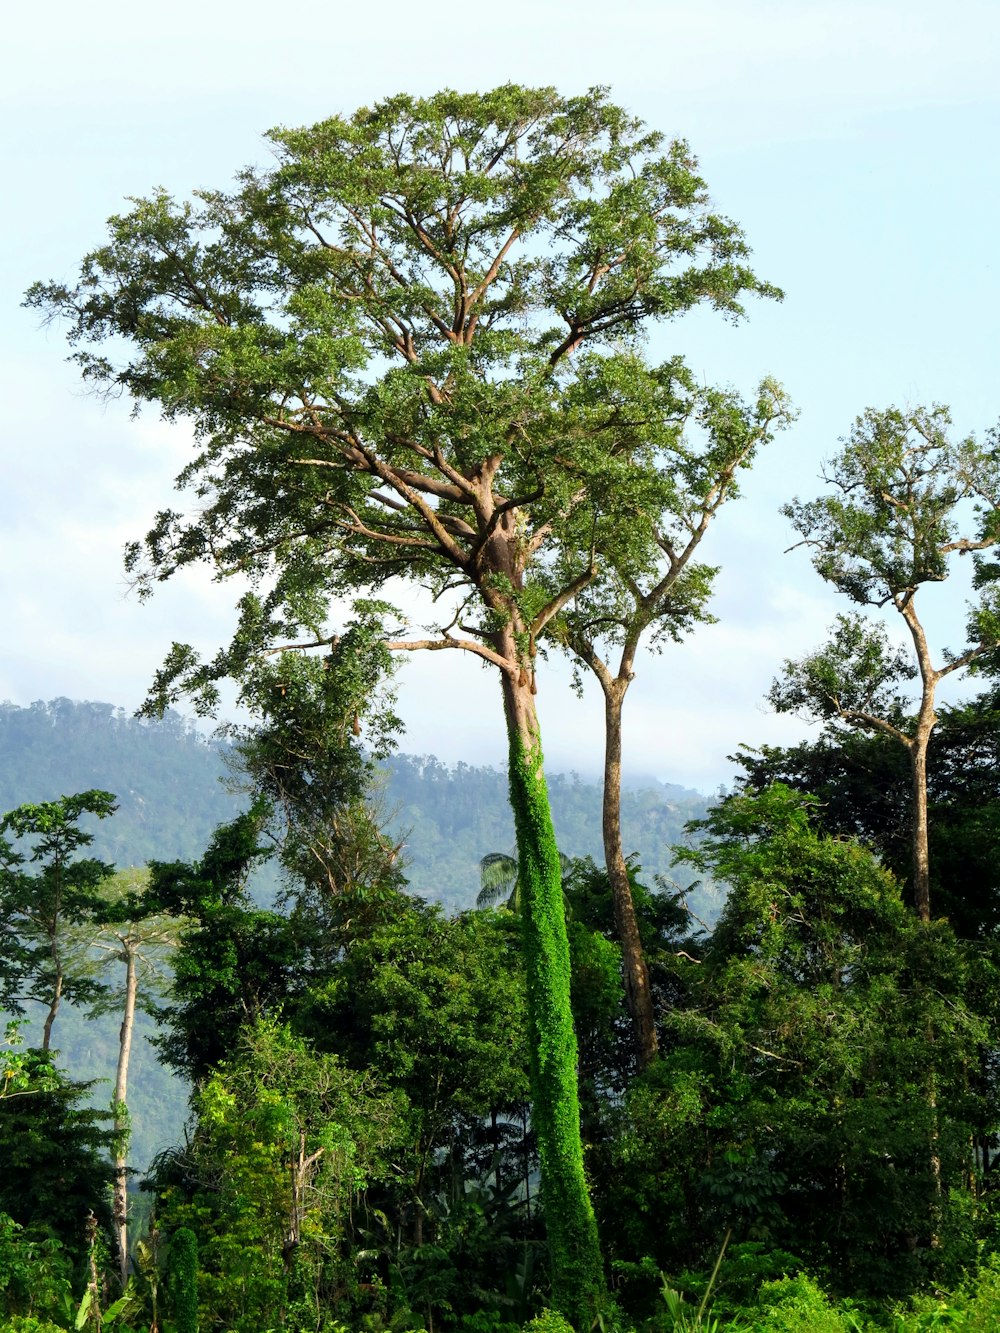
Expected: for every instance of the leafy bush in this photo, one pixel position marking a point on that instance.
(34, 1274)
(798, 1305)
(29, 1324)
(973, 1308)
(548, 1321)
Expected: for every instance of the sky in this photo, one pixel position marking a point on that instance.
(854, 142)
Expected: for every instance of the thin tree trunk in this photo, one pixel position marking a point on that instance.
(638, 996)
(54, 1003)
(577, 1271)
(921, 854)
(120, 1186)
(93, 1286)
(926, 722)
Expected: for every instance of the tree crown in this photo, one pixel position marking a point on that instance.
(413, 346)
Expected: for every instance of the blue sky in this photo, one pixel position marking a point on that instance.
(855, 143)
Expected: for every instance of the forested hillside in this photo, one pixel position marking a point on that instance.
(451, 817)
(164, 774)
(173, 787)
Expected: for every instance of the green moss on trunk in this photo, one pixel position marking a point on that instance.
(183, 1279)
(577, 1272)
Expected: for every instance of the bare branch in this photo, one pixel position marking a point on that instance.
(435, 645)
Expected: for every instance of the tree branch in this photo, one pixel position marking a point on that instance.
(435, 645)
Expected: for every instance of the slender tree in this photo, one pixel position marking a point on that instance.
(41, 909)
(659, 599)
(396, 346)
(904, 498)
(141, 940)
(863, 782)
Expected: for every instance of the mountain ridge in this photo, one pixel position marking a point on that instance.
(169, 779)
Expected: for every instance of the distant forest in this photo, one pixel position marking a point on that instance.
(174, 787)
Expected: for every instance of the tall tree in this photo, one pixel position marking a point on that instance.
(661, 597)
(864, 786)
(132, 934)
(40, 909)
(903, 499)
(393, 345)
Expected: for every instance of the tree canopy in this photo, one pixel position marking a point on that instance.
(904, 498)
(413, 348)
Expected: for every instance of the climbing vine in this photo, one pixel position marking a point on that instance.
(578, 1281)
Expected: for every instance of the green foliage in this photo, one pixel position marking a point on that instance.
(435, 1009)
(55, 1168)
(183, 1280)
(437, 1006)
(304, 751)
(793, 1099)
(319, 726)
(531, 237)
(285, 1139)
(477, 1268)
(600, 1016)
(863, 787)
(680, 1318)
(23, 1072)
(35, 1274)
(29, 1324)
(233, 961)
(578, 1281)
(798, 1305)
(904, 497)
(856, 675)
(548, 1321)
(977, 1303)
(396, 346)
(37, 909)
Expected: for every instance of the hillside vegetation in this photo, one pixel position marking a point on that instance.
(174, 787)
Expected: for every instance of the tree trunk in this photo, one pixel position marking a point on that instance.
(120, 1185)
(577, 1272)
(638, 996)
(918, 746)
(921, 855)
(50, 1018)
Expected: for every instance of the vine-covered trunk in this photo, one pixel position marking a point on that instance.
(577, 1271)
(121, 1121)
(635, 973)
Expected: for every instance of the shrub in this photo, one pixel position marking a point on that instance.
(798, 1305)
(29, 1324)
(548, 1322)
